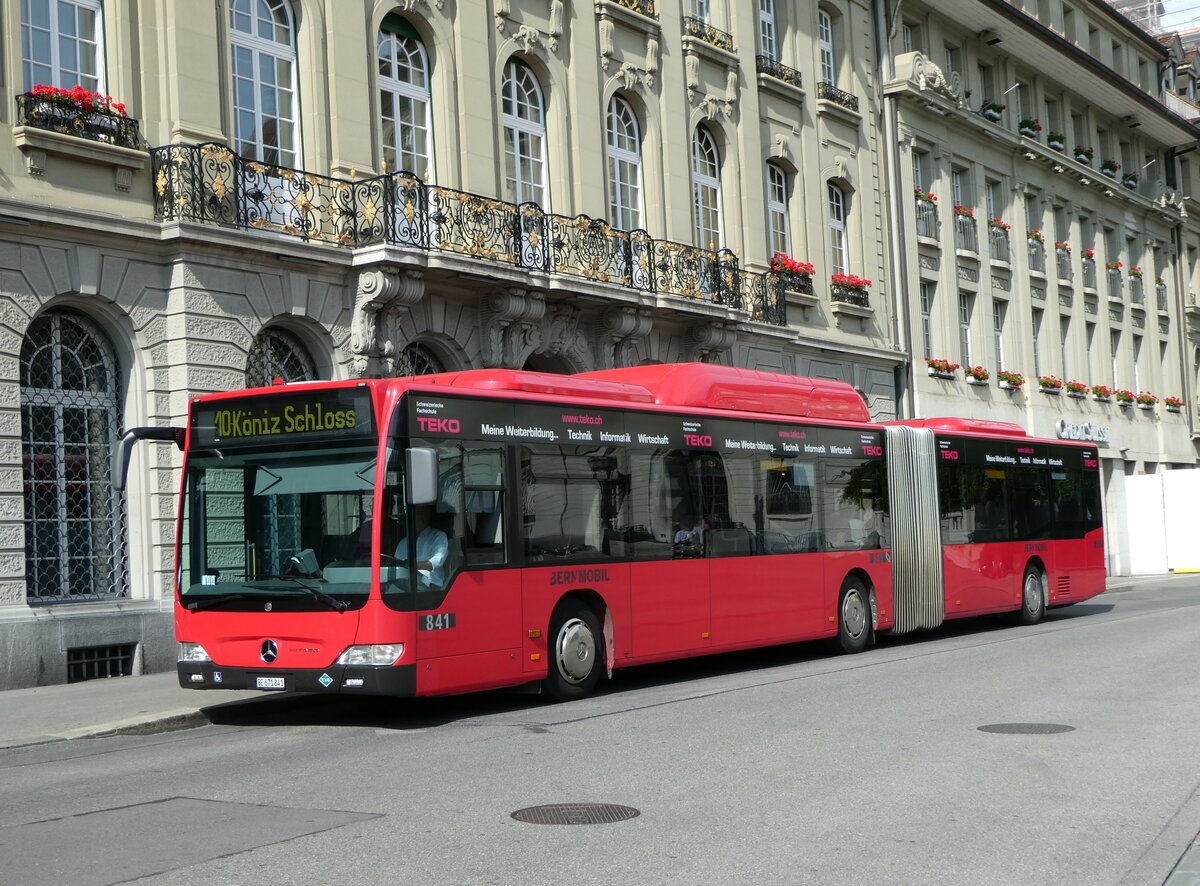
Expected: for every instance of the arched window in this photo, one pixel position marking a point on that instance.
(624, 166)
(62, 44)
(524, 123)
(417, 359)
(404, 100)
(278, 354)
(836, 223)
(706, 190)
(264, 81)
(70, 419)
(777, 209)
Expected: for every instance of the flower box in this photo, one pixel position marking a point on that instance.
(1083, 158)
(1145, 406)
(938, 373)
(1056, 145)
(1008, 386)
(1125, 403)
(1077, 395)
(1100, 398)
(978, 382)
(1048, 390)
(1174, 409)
(1130, 182)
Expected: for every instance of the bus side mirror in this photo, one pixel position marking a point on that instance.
(422, 465)
(120, 461)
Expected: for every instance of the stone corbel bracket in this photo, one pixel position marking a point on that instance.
(379, 287)
(510, 323)
(621, 330)
(707, 342)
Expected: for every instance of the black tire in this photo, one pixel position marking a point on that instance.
(576, 650)
(854, 616)
(1033, 600)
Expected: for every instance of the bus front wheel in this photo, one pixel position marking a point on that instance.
(576, 652)
(1033, 601)
(854, 616)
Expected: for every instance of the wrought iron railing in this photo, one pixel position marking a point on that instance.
(702, 30)
(1089, 273)
(998, 239)
(1137, 295)
(778, 70)
(966, 238)
(850, 295)
(1062, 261)
(39, 112)
(645, 7)
(1160, 291)
(827, 90)
(1116, 284)
(209, 183)
(1037, 257)
(927, 219)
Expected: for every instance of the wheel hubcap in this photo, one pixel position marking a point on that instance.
(575, 650)
(1033, 593)
(854, 614)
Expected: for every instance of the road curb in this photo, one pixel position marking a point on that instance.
(165, 721)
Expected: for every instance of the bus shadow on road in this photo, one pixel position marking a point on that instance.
(401, 714)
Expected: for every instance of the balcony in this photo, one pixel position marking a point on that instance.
(1160, 291)
(1137, 294)
(645, 7)
(1089, 274)
(1116, 286)
(210, 184)
(998, 240)
(38, 112)
(966, 238)
(772, 68)
(702, 30)
(850, 295)
(829, 92)
(1037, 257)
(927, 220)
(1062, 262)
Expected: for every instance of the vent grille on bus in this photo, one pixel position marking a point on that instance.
(1064, 585)
(917, 590)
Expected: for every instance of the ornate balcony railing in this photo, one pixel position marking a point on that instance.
(1037, 257)
(998, 239)
(827, 90)
(645, 7)
(1089, 273)
(702, 30)
(927, 219)
(1062, 262)
(1137, 295)
(966, 238)
(778, 70)
(210, 184)
(1160, 291)
(850, 295)
(38, 112)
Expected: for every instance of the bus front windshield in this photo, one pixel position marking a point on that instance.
(288, 527)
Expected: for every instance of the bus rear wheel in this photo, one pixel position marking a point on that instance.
(854, 616)
(1033, 601)
(576, 652)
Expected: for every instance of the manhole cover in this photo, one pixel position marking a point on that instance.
(576, 813)
(1027, 728)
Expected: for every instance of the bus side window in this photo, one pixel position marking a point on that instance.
(483, 505)
(572, 500)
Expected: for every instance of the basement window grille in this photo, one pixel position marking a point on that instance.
(98, 662)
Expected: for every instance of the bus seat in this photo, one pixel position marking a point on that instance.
(728, 542)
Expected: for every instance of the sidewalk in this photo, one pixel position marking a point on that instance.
(157, 703)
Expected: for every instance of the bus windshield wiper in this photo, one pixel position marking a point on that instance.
(331, 602)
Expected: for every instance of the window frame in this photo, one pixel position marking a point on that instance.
(835, 222)
(705, 183)
(399, 91)
(779, 229)
(516, 126)
(768, 30)
(827, 47)
(260, 47)
(56, 36)
(622, 162)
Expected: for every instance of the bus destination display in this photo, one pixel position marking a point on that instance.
(301, 417)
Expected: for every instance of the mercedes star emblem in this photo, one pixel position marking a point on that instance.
(269, 651)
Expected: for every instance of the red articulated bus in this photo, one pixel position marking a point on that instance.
(472, 530)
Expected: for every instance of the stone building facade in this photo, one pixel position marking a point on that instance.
(333, 188)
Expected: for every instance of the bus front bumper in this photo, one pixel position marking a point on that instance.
(351, 679)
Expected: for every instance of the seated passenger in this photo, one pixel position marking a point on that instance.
(432, 549)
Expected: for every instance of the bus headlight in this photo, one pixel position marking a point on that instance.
(383, 654)
(193, 652)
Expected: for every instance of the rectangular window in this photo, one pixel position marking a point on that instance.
(1114, 343)
(777, 209)
(570, 496)
(987, 84)
(965, 304)
(1090, 336)
(910, 37)
(918, 161)
(928, 289)
(1069, 24)
(1137, 363)
(1118, 58)
(699, 9)
(1053, 116)
(999, 309)
(1025, 106)
(953, 59)
(825, 36)
(62, 44)
(837, 230)
(1037, 351)
(1064, 336)
(1033, 211)
(767, 44)
(1079, 130)
(995, 199)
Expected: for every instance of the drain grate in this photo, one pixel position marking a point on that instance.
(1027, 728)
(576, 813)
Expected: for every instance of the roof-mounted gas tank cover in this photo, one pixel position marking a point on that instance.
(965, 426)
(751, 390)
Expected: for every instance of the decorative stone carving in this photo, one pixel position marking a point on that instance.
(410, 5)
(379, 287)
(706, 342)
(607, 45)
(510, 323)
(621, 330)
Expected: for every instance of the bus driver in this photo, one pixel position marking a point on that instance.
(432, 549)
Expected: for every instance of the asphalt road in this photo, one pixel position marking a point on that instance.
(786, 766)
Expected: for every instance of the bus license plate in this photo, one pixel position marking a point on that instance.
(268, 683)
